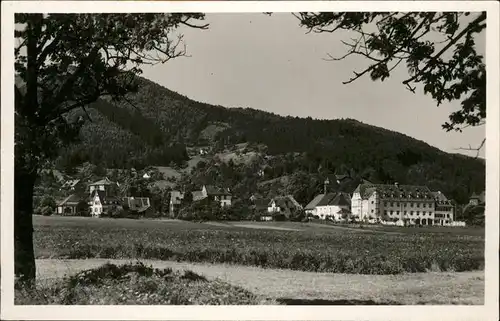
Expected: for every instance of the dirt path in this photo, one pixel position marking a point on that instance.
(297, 287)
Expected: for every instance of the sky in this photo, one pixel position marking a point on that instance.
(270, 63)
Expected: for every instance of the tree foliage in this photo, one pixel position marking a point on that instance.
(447, 69)
(65, 62)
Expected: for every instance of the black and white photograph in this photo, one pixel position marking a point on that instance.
(208, 157)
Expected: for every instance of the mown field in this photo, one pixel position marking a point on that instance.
(296, 246)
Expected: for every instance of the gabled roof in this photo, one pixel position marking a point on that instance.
(407, 192)
(312, 204)
(481, 197)
(139, 204)
(441, 199)
(73, 199)
(71, 183)
(286, 202)
(338, 199)
(104, 181)
(261, 204)
(213, 190)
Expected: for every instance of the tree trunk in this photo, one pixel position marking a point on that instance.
(24, 258)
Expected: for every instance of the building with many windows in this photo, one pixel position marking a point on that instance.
(413, 204)
(444, 209)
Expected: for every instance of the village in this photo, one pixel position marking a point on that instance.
(398, 205)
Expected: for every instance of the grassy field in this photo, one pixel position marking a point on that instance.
(296, 246)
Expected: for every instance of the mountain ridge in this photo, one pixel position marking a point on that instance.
(155, 126)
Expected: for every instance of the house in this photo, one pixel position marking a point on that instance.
(284, 205)
(176, 198)
(137, 205)
(477, 199)
(259, 207)
(330, 206)
(101, 203)
(443, 209)
(212, 193)
(69, 206)
(394, 202)
(146, 176)
(105, 185)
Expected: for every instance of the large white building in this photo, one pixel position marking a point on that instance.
(415, 204)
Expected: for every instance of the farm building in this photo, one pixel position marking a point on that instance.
(330, 206)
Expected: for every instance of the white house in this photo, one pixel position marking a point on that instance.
(101, 203)
(415, 204)
(330, 206)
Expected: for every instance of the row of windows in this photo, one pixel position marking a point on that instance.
(443, 215)
(418, 213)
(387, 204)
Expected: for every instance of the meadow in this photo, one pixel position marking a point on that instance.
(282, 245)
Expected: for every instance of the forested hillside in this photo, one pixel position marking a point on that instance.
(155, 125)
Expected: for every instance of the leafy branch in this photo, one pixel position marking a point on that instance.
(403, 37)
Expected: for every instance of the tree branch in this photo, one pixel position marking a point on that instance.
(477, 149)
(388, 58)
(474, 23)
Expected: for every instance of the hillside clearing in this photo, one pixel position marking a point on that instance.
(297, 287)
